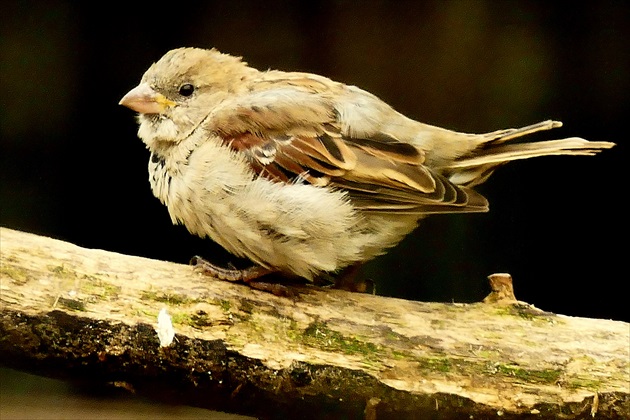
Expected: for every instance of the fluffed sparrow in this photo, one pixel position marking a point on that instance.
(300, 174)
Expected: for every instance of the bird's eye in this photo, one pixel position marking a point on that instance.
(186, 89)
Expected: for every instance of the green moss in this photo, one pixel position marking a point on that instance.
(438, 323)
(462, 366)
(319, 335)
(98, 288)
(399, 355)
(545, 376)
(292, 331)
(391, 335)
(246, 306)
(590, 384)
(149, 313)
(167, 297)
(528, 313)
(225, 305)
(487, 354)
(438, 364)
(59, 269)
(181, 318)
(200, 319)
(73, 304)
(19, 275)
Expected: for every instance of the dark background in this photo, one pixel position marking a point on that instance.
(72, 166)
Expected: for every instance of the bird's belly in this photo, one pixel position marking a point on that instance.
(299, 229)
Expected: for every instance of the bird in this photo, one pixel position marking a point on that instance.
(302, 175)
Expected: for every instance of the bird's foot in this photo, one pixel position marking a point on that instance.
(248, 276)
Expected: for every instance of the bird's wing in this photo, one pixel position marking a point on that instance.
(290, 132)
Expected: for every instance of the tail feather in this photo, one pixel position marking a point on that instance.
(506, 153)
(475, 167)
(501, 136)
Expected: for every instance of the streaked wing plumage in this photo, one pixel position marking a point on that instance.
(290, 134)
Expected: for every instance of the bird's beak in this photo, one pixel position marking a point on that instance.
(145, 100)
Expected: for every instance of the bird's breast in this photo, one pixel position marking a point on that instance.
(160, 178)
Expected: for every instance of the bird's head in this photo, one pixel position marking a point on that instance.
(180, 90)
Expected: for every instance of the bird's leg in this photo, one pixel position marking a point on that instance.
(248, 276)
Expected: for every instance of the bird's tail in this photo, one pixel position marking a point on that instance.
(475, 167)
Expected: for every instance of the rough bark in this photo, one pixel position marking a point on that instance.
(86, 314)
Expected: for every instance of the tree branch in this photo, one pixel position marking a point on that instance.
(90, 314)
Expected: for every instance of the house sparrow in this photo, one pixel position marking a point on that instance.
(300, 174)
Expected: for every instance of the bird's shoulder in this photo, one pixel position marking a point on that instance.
(276, 101)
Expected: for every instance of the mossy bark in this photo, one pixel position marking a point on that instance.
(92, 315)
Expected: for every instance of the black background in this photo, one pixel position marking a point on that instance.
(73, 168)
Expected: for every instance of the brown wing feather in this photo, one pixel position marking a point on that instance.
(296, 138)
